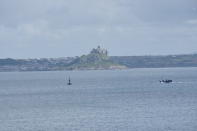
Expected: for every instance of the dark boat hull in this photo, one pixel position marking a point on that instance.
(165, 81)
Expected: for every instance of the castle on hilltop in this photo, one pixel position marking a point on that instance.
(99, 50)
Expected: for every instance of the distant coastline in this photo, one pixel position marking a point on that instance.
(97, 59)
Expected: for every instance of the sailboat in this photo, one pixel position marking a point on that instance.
(69, 82)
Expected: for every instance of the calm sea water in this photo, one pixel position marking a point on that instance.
(125, 100)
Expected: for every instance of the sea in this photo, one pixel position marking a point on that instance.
(102, 100)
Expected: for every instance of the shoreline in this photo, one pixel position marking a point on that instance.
(98, 69)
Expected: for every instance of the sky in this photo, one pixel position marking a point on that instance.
(67, 28)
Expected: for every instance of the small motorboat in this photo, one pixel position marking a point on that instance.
(165, 81)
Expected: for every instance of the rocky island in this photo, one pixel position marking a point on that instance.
(97, 59)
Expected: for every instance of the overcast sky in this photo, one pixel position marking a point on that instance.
(60, 28)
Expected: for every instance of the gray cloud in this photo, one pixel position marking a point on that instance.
(55, 28)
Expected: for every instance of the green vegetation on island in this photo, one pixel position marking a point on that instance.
(97, 59)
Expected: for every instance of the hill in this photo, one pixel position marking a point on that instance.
(156, 61)
(98, 59)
